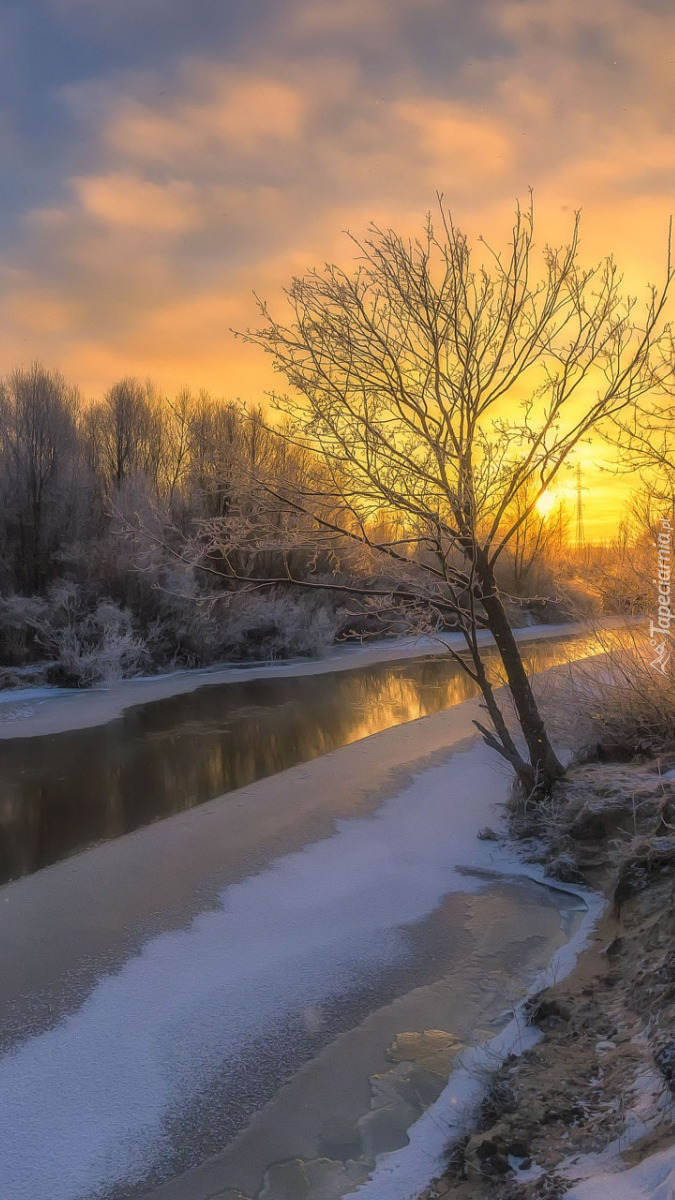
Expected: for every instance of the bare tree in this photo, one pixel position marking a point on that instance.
(126, 433)
(644, 438)
(644, 434)
(440, 391)
(176, 441)
(38, 448)
(539, 538)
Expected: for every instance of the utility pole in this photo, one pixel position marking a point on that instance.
(580, 511)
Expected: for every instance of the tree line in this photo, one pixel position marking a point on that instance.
(99, 503)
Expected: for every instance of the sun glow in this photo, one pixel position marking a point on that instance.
(546, 503)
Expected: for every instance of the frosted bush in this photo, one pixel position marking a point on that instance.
(81, 644)
(621, 702)
(115, 656)
(279, 626)
(90, 646)
(17, 612)
(196, 630)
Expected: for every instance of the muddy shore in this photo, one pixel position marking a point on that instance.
(589, 1111)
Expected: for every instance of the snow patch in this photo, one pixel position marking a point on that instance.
(652, 1179)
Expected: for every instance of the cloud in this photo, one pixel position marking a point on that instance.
(219, 111)
(191, 171)
(187, 185)
(471, 145)
(126, 200)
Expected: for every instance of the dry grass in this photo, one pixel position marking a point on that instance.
(618, 707)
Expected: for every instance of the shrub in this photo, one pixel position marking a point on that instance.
(620, 706)
(275, 625)
(83, 645)
(94, 647)
(579, 599)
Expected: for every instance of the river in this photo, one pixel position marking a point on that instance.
(63, 793)
(209, 1003)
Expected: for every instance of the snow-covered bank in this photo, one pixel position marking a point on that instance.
(35, 712)
(589, 1112)
(652, 1179)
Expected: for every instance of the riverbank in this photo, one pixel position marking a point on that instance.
(38, 712)
(588, 1111)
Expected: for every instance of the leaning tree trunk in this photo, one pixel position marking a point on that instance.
(544, 762)
(501, 739)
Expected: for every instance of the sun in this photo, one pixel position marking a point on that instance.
(546, 503)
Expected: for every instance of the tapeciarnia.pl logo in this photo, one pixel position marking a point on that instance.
(659, 630)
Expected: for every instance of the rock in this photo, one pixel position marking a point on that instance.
(487, 1152)
(492, 1157)
(598, 819)
(497, 1165)
(551, 1158)
(518, 1149)
(564, 868)
(546, 1011)
(633, 878)
(616, 947)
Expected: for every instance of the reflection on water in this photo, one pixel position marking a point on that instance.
(62, 793)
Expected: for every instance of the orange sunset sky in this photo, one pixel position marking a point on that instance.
(162, 159)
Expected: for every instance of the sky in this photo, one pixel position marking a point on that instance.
(163, 159)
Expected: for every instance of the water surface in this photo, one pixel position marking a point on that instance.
(62, 793)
